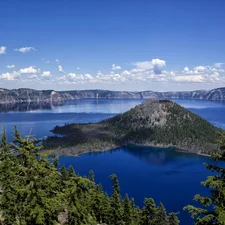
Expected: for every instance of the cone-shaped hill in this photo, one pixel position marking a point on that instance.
(159, 123)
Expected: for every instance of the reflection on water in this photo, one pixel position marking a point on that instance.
(74, 106)
(29, 106)
(148, 154)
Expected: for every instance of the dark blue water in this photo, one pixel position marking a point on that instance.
(167, 176)
(170, 177)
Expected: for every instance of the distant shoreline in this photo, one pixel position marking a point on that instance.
(31, 95)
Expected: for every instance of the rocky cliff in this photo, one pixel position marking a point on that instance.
(30, 95)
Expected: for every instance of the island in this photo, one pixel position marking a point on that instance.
(159, 123)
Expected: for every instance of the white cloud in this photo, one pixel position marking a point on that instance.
(72, 75)
(147, 65)
(29, 70)
(145, 73)
(11, 66)
(46, 74)
(2, 50)
(25, 49)
(158, 65)
(57, 61)
(219, 65)
(200, 69)
(78, 68)
(115, 67)
(89, 76)
(155, 64)
(126, 72)
(60, 68)
(9, 76)
(6, 76)
(189, 79)
(148, 72)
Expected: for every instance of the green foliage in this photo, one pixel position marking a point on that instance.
(213, 211)
(162, 218)
(173, 219)
(127, 211)
(35, 191)
(116, 203)
(149, 212)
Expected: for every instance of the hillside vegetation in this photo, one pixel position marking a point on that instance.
(161, 123)
(34, 191)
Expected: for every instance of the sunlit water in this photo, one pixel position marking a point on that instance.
(170, 177)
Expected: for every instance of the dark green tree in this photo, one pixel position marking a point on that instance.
(71, 172)
(127, 211)
(149, 212)
(173, 219)
(91, 176)
(213, 211)
(116, 206)
(64, 173)
(8, 167)
(161, 215)
(135, 212)
(35, 193)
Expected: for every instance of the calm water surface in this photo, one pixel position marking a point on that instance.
(170, 177)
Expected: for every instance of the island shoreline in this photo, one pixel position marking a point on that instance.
(66, 151)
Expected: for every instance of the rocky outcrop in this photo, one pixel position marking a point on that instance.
(30, 95)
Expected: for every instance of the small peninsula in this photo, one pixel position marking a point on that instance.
(160, 123)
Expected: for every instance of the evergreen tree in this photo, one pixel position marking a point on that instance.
(56, 162)
(135, 212)
(71, 172)
(161, 215)
(91, 176)
(35, 187)
(149, 212)
(213, 211)
(127, 211)
(33, 191)
(173, 220)
(64, 173)
(116, 212)
(7, 176)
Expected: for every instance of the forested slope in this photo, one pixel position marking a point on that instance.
(160, 123)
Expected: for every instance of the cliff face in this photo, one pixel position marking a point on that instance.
(30, 95)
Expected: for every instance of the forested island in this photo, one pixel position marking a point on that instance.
(160, 123)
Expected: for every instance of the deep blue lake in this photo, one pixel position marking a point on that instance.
(163, 174)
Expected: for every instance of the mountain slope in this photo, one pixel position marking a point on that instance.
(160, 123)
(30, 95)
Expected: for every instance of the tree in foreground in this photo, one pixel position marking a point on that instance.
(34, 190)
(213, 210)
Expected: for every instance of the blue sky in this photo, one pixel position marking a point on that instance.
(118, 45)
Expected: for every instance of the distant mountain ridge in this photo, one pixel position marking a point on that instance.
(31, 95)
